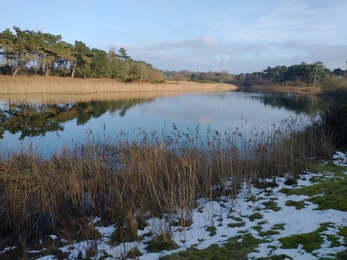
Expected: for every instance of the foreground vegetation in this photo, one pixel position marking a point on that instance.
(161, 176)
(325, 190)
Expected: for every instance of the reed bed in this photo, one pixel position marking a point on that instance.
(59, 85)
(124, 183)
(101, 96)
(310, 91)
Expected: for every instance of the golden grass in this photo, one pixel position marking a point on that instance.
(60, 85)
(312, 91)
(100, 96)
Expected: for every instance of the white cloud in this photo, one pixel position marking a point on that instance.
(255, 35)
(312, 22)
(204, 54)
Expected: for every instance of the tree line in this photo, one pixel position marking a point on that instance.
(37, 53)
(303, 74)
(295, 75)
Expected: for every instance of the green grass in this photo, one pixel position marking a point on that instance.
(212, 230)
(331, 168)
(160, 243)
(133, 253)
(296, 204)
(327, 193)
(343, 232)
(278, 226)
(233, 250)
(238, 224)
(262, 222)
(235, 218)
(270, 232)
(333, 241)
(271, 204)
(257, 228)
(341, 255)
(276, 257)
(255, 216)
(309, 241)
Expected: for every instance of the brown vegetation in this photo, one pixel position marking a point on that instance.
(125, 183)
(60, 85)
(310, 91)
(100, 96)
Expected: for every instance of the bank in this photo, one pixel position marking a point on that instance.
(61, 85)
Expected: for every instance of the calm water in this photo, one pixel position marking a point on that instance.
(49, 127)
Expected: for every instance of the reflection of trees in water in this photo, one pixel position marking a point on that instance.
(38, 119)
(292, 102)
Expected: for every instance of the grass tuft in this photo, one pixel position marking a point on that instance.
(255, 216)
(160, 243)
(271, 205)
(297, 204)
(212, 230)
(309, 241)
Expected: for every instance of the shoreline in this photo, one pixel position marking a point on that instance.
(308, 91)
(59, 85)
(54, 98)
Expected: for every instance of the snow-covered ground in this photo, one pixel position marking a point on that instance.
(226, 211)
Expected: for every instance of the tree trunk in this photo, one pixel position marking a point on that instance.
(73, 70)
(8, 70)
(47, 70)
(15, 71)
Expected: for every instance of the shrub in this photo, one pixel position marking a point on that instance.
(334, 117)
(332, 83)
(160, 243)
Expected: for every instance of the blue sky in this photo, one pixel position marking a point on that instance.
(196, 35)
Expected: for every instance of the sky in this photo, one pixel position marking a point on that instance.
(196, 35)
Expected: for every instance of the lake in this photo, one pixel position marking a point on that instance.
(49, 125)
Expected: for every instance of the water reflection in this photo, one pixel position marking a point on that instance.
(291, 101)
(51, 125)
(31, 119)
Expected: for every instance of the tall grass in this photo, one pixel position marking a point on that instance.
(60, 85)
(161, 175)
(334, 116)
(333, 83)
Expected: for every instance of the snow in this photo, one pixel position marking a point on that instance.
(340, 158)
(213, 213)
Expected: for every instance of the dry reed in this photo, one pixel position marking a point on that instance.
(60, 85)
(104, 96)
(126, 182)
(310, 91)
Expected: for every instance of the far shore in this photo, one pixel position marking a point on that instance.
(60, 85)
(309, 91)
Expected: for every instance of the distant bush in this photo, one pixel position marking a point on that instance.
(335, 117)
(332, 83)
